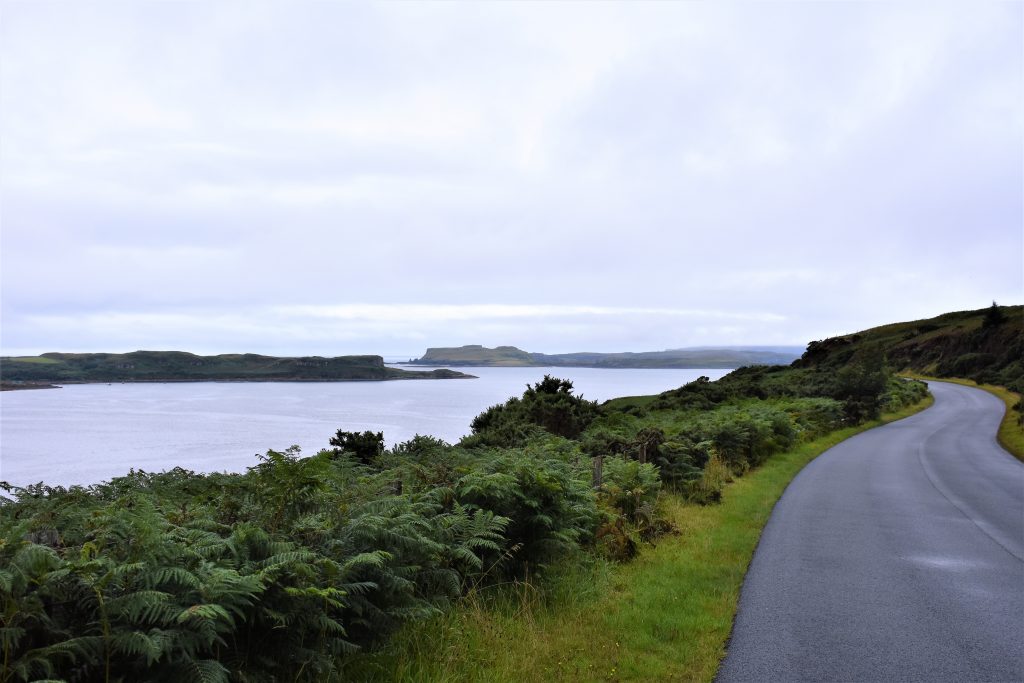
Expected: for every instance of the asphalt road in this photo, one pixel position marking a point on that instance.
(897, 555)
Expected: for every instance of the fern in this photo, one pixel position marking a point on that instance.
(203, 671)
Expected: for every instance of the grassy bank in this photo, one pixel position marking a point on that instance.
(1011, 430)
(664, 616)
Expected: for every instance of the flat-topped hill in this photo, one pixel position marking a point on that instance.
(695, 357)
(180, 366)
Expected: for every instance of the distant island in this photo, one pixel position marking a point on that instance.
(694, 357)
(48, 369)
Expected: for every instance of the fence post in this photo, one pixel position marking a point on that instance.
(598, 468)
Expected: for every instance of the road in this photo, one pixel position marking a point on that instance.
(897, 555)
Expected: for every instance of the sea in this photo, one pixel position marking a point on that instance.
(88, 433)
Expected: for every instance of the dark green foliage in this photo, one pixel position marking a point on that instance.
(364, 447)
(681, 460)
(994, 317)
(550, 506)
(860, 384)
(645, 444)
(604, 441)
(701, 393)
(548, 405)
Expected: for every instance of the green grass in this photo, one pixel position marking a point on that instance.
(664, 616)
(624, 402)
(30, 359)
(1011, 431)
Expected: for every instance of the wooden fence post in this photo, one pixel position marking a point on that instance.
(598, 470)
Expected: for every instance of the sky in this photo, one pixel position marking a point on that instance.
(299, 178)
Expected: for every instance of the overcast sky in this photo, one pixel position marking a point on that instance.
(299, 178)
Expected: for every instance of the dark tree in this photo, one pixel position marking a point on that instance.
(994, 317)
(365, 446)
(551, 404)
(646, 443)
(860, 385)
(548, 404)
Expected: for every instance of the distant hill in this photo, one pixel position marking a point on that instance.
(179, 366)
(986, 345)
(696, 357)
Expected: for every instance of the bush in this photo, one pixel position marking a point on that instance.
(548, 405)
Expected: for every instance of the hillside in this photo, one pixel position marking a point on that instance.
(986, 345)
(696, 357)
(179, 366)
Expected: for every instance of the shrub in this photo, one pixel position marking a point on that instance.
(549, 405)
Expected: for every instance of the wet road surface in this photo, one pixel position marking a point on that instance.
(897, 555)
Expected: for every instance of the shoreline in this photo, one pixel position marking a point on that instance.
(9, 386)
(46, 385)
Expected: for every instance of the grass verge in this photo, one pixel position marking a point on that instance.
(664, 616)
(1011, 432)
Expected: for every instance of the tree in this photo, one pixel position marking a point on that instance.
(548, 404)
(860, 385)
(646, 443)
(551, 404)
(994, 317)
(365, 446)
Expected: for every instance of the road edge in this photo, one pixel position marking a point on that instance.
(1011, 429)
(827, 444)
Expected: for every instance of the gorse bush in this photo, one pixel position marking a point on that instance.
(548, 405)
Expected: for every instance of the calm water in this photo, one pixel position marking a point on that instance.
(87, 433)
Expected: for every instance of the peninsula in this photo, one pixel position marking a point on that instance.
(694, 357)
(25, 372)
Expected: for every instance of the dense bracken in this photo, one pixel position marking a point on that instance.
(280, 572)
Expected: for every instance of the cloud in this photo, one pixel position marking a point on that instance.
(647, 175)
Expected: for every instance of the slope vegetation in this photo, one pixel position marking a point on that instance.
(986, 345)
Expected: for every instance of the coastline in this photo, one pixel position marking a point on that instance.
(11, 386)
(17, 386)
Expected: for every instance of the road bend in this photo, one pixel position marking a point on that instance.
(897, 555)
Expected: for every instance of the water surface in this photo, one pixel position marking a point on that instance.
(86, 433)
